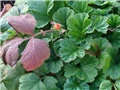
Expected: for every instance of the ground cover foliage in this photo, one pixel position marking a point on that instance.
(60, 45)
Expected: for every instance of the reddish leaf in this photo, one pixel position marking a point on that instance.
(10, 54)
(34, 54)
(6, 8)
(23, 23)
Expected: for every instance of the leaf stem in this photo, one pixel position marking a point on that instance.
(41, 32)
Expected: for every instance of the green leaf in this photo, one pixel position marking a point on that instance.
(56, 7)
(49, 4)
(117, 83)
(50, 83)
(81, 22)
(56, 47)
(75, 84)
(114, 68)
(39, 9)
(42, 70)
(58, 16)
(100, 3)
(69, 50)
(114, 20)
(113, 71)
(70, 70)
(100, 24)
(114, 39)
(2, 86)
(99, 79)
(8, 34)
(106, 85)
(11, 81)
(78, 25)
(31, 82)
(42, 19)
(81, 6)
(55, 66)
(4, 25)
(102, 12)
(87, 69)
(98, 49)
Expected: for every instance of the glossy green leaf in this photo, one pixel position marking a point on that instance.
(58, 16)
(50, 83)
(81, 6)
(87, 69)
(31, 82)
(75, 84)
(55, 65)
(106, 85)
(69, 50)
(39, 9)
(78, 19)
(78, 25)
(114, 20)
(8, 34)
(100, 24)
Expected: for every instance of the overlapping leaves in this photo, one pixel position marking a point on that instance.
(36, 50)
(98, 49)
(58, 16)
(87, 60)
(81, 6)
(75, 84)
(85, 70)
(39, 9)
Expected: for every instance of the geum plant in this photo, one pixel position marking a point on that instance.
(36, 50)
(61, 45)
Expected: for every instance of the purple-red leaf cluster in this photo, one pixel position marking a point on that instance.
(36, 50)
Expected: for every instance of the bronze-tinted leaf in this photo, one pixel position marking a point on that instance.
(23, 23)
(34, 54)
(6, 8)
(10, 54)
